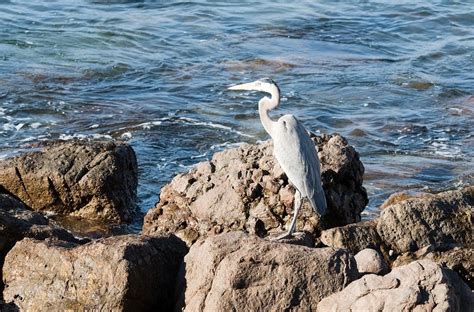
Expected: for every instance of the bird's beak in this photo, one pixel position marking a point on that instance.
(251, 86)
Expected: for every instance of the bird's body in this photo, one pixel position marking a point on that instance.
(297, 156)
(293, 149)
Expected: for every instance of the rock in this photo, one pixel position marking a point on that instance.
(460, 260)
(354, 237)
(254, 274)
(419, 286)
(370, 261)
(401, 196)
(298, 238)
(442, 219)
(342, 176)
(95, 180)
(16, 222)
(120, 273)
(244, 189)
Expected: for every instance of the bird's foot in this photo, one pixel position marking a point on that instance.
(282, 237)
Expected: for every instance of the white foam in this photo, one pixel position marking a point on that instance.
(213, 125)
(225, 145)
(35, 125)
(148, 125)
(67, 137)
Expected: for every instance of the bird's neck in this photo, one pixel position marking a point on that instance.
(265, 105)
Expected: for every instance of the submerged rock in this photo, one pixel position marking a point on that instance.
(89, 179)
(238, 270)
(121, 273)
(439, 220)
(245, 189)
(419, 286)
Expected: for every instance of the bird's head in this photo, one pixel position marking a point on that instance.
(263, 85)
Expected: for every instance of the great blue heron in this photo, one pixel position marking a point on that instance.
(293, 149)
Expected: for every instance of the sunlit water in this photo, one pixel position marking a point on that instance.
(396, 79)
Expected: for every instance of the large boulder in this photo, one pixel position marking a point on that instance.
(354, 237)
(419, 286)
(245, 189)
(121, 273)
(254, 274)
(439, 220)
(17, 222)
(89, 179)
(458, 259)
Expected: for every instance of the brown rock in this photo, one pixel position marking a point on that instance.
(419, 286)
(95, 180)
(354, 237)
(236, 270)
(121, 273)
(17, 222)
(442, 219)
(244, 189)
(401, 196)
(460, 260)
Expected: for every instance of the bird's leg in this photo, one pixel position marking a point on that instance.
(297, 206)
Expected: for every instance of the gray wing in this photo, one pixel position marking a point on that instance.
(296, 153)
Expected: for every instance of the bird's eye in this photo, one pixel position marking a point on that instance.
(284, 124)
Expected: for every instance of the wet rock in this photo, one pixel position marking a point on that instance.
(354, 237)
(419, 286)
(442, 219)
(254, 274)
(458, 259)
(370, 261)
(121, 273)
(94, 180)
(245, 189)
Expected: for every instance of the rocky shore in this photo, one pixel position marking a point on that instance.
(206, 245)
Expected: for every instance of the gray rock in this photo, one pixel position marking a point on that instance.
(354, 237)
(120, 273)
(95, 180)
(442, 219)
(419, 286)
(237, 271)
(245, 189)
(370, 261)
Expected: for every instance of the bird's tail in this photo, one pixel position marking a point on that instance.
(318, 202)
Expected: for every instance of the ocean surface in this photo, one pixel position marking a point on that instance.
(396, 78)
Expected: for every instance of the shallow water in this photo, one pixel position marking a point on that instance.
(396, 78)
